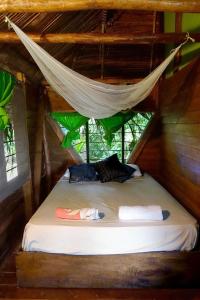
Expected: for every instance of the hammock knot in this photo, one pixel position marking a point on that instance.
(7, 20)
(189, 38)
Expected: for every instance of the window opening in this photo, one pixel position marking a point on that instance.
(92, 147)
(10, 154)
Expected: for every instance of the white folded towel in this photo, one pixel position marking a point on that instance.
(150, 212)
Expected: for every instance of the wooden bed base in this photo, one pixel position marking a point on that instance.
(155, 269)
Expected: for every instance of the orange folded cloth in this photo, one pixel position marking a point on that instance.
(77, 214)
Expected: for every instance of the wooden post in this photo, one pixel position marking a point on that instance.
(46, 147)
(178, 29)
(38, 152)
(27, 192)
(47, 159)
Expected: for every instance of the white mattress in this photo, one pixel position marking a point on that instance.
(44, 232)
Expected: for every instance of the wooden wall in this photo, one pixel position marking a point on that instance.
(11, 221)
(172, 152)
(180, 139)
(48, 159)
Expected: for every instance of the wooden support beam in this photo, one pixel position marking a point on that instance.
(17, 6)
(99, 38)
(143, 140)
(13, 62)
(46, 146)
(38, 153)
(178, 29)
(27, 192)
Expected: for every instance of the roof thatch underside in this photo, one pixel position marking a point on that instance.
(95, 61)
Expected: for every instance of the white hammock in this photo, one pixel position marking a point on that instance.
(89, 97)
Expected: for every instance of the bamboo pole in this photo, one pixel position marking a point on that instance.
(17, 6)
(97, 38)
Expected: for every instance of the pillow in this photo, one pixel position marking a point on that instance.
(111, 169)
(66, 174)
(122, 179)
(82, 172)
(137, 172)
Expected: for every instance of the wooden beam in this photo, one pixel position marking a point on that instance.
(27, 192)
(46, 146)
(178, 29)
(99, 38)
(74, 156)
(17, 6)
(143, 140)
(38, 159)
(13, 62)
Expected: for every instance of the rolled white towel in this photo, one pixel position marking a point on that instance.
(150, 212)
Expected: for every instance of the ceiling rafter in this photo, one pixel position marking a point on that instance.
(96, 38)
(7, 6)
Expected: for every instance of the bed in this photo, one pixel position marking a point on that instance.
(107, 252)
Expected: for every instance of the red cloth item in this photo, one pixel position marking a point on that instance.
(68, 213)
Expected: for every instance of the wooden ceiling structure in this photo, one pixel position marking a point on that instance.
(115, 41)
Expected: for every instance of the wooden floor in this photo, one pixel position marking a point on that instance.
(9, 289)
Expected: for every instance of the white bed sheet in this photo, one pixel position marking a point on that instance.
(44, 232)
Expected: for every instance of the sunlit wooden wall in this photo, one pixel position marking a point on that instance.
(172, 153)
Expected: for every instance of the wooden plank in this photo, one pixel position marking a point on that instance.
(156, 269)
(185, 192)
(99, 38)
(191, 130)
(8, 292)
(7, 6)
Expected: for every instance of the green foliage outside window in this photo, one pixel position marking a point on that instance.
(99, 149)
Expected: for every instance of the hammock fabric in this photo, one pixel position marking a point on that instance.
(7, 82)
(90, 98)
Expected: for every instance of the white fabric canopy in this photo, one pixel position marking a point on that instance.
(90, 98)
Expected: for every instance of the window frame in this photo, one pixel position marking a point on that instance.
(5, 141)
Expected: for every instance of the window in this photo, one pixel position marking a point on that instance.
(10, 154)
(92, 146)
(14, 151)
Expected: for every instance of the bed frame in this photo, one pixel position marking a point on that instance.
(152, 269)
